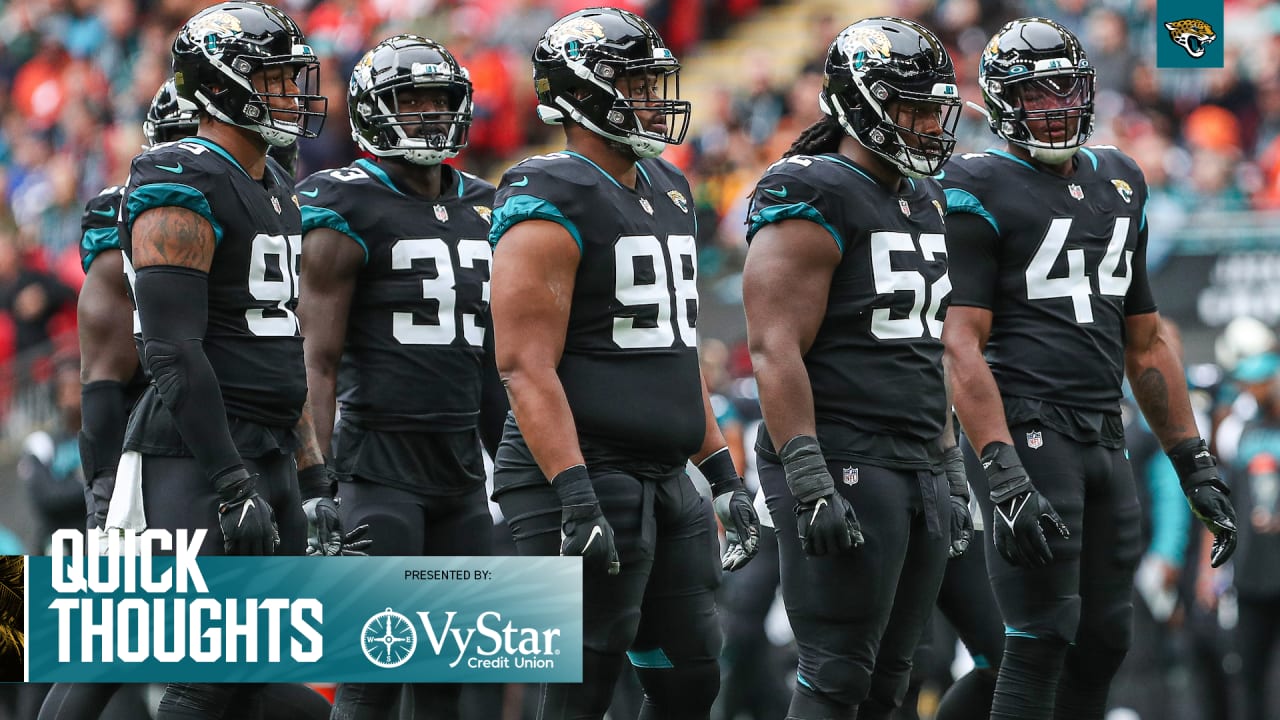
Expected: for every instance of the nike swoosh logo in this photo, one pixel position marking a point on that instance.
(175, 168)
(817, 507)
(310, 193)
(521, 182)
(244, 512)
(778, 193)
(595, 533)
(104, 213)
(1017, 510)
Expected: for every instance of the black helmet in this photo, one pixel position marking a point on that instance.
(170, 117)
(406, 62)
(217, 53)
(879, 61)
(578, 63)
(1038, 60)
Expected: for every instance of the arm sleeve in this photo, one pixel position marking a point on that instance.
(972, 259)
(173, 304)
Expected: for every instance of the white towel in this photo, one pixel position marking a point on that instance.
(126, 511)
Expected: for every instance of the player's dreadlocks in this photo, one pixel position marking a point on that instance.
(823, 136)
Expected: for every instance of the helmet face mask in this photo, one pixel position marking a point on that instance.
(409, 98)
(1038, 87)
(246, 64)
(610, 72)
(891, 85)
(169, 116)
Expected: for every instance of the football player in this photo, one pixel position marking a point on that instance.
(1051, 307)
(844, 288)
(211, 232)
(594, 309)
(396, 292)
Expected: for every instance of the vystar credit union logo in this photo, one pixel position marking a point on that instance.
(389, 640)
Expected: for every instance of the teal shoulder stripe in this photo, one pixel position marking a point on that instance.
(1008, 156)
(1143, 225)
(373, 169)
(95, 241)
(158, 195)
(519, 208)
(964, 201)
(1092, 158)
(799, 211)
(654, 659)
(322, 217)
(216, 148)
(590, 162)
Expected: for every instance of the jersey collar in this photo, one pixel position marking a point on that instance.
(840, 160)
(217, 149)
(612, 179)
(373, 169)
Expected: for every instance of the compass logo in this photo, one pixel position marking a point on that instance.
(388, 639)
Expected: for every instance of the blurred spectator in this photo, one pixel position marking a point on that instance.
(50, 463)
(31, 297)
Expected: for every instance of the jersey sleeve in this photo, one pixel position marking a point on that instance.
(170, 176)
(536, 191)
(98, 225)
(329, 201)
(785, 194)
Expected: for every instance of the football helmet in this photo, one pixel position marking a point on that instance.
(1038, 87)
(878, 71)
(381, 127)
(581, 65)
(234, 59)
(170, 117)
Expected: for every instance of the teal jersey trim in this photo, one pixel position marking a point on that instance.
(96, 240)
(981, 662)
(1008, 156)
(851, 166)
(216, 148)
(588, 161)
(519, 208)
(800, 679)
(800, 211)
(1143, 225)
(654, 659)
(322, 217)
(1092, 158)
(456, 173)
(1010, 632)
(373, 169)
(964, 201)
(157, 195)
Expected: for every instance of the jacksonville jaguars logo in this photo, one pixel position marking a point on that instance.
(1191, 34)
(858, 44)
(362, 74)
(208, 29)
(485, 213)
(571, 35)
(677, 198)
(1122, 187)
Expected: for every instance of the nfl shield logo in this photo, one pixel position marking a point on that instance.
(647, 207)
(851, 476)
(1035, 440)
(902, 205)
(442, 213)
(1076, 191)
(275, 203)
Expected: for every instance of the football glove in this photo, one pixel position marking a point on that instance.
(248, 522)
(324, 524)
(1020, 511)
(353, 543)
(824, 519)
(961, 520)
(99, 494)
(1206, 493)
(584, 531)
(734, 509)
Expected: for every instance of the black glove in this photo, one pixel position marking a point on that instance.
(98, 493)
(584, 531)
(324, 525)
(353, 543)
(961, 520)
(1207, 494)
(733, 508)
(248, 522)
(1020, 511)
(824, 519)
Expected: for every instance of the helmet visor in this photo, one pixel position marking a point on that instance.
(1056, 110)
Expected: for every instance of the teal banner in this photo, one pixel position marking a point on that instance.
(1189, 34)
(304, 619)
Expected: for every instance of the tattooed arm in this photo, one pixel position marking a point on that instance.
(172, 236)
(1154, 366)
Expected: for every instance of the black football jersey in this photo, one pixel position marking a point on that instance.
(1063, 267)
(252, 339)
(630, 362)
(876, 363)
(98, 225)
(420, 309)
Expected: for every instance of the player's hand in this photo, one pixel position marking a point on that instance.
(824, 519)
(1206, 493)
(353, 543)
(584, 531)
(1021, 513)
(958, 484)
(248, 522)
(324, 524)
(734, 510)
(100, 490)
